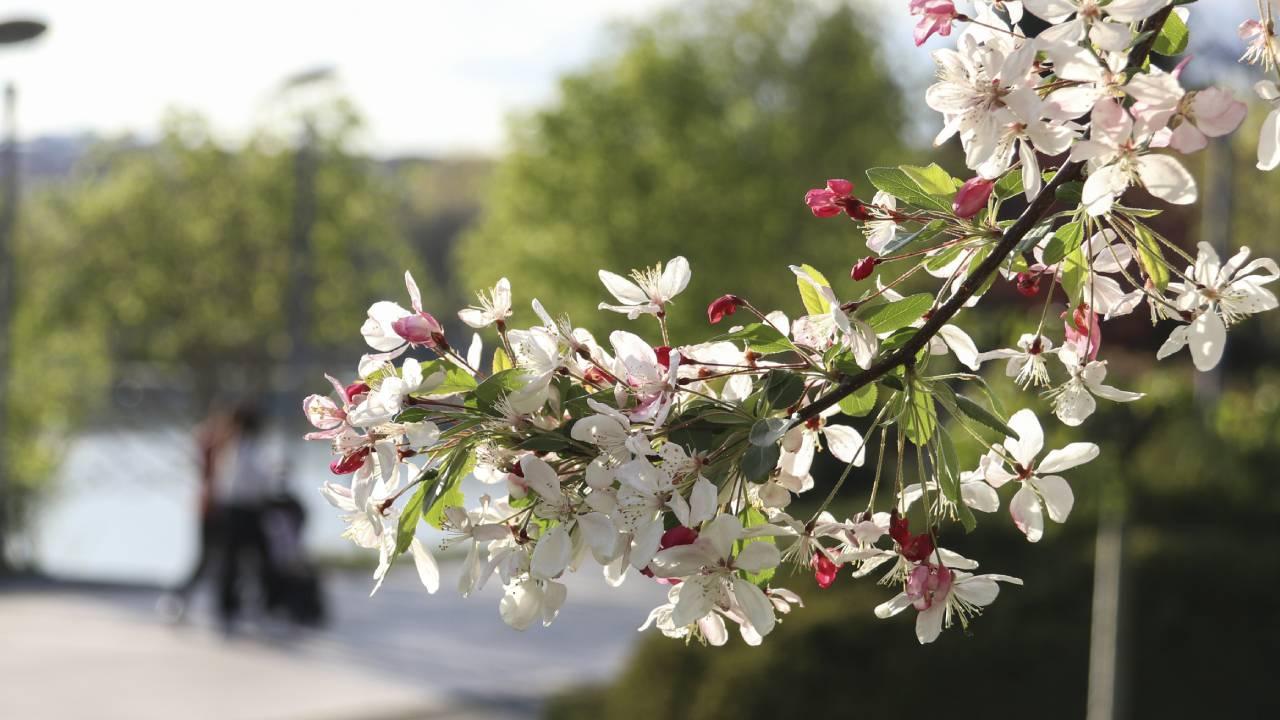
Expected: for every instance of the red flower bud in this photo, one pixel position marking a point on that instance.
(1028, 284)
(864, 267)
(913, 547)
(664, 355)
(678, 535)
(824, 571)
(420, 329)
(355, 390)
(350, 463)
(723, 306)
(972, 197)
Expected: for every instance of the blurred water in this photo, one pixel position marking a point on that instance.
(122, 506)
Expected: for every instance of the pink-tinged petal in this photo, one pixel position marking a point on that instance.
(1112, 124)
(1217, 113)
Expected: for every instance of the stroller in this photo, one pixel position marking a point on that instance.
(291, 583)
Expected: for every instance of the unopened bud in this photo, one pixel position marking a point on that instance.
(864, 267)
(972, 197)
(723, 306)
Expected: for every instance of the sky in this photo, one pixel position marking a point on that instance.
(431, 76)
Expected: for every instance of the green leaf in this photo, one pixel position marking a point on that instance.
(759, 461)
(545, 442)
(961, 406)
(451, 497)
(860, 403)
(767, 432)
(495, 386)
(501, 361)
(1034, 236)
(933, 180)
(1010, 185)
(814, 303)
(1070, 194)
(449, 487)
(722, 417)
(920, 417)
(1067, 238)
(1075, 271)
(412, 415)
(456, 380)
(1151, 257)
(1173, 37)
(752, 517)
(783, 389)
(899, 184)
(944, 258)
(899, 314)
(974, 411)
(764, 339)
(409, 516)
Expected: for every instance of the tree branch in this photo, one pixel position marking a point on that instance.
(1030, 217)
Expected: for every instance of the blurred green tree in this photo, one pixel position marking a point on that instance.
(176, 255)
(698, 138)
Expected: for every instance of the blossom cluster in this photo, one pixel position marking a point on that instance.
(681, 464)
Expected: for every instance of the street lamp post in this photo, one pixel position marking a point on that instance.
(11, 32)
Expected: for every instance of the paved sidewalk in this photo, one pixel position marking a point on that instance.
(76, 652)
(71, 656)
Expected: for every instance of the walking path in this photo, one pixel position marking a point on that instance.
(68, 653)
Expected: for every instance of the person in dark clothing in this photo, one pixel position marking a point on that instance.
(245, 473)
(211, 437)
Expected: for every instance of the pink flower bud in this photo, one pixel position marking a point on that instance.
(835, 198)
(840, 186)
(420, 329)
(722, 306)
(972, 197)
(863, 269)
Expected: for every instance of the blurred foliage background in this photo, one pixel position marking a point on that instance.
(696, 135)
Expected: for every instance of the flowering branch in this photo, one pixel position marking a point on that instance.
(1012, 237)
(680, 462)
